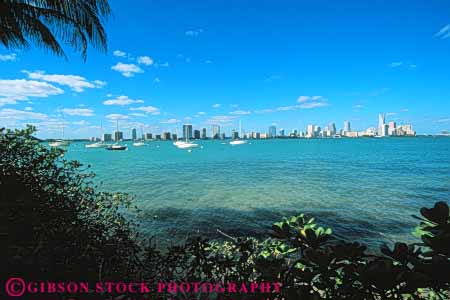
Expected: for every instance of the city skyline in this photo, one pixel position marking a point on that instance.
(188, 131)
(316, 63)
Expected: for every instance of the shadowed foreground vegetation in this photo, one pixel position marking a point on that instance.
(56, 225)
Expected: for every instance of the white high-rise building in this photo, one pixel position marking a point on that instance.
(381, 125)
(310, 131)
(392, 128)
(215, 131)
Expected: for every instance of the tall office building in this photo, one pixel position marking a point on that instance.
(272, 131)
(133, 134)
(347, 127)
(118, 136)
(234, 134)
(148, 136)
(392, 130)
(310, 131)
(204, 133)
(197, 134)
(381, 122)
(187, 131)
(166, 136)
(174, 136)
(215, 131)
(332, 128)
(282, 132)
(107, 137)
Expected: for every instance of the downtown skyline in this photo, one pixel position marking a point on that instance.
(209, 69)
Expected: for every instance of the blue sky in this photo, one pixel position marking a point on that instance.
(288, 63)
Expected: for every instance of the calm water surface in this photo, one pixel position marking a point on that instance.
(364, 189)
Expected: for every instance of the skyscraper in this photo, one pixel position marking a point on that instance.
(215, 131)
(133, 134)
(166, 136)
(118, 136)
(197, 134)
(272, 131)
(347, 127)
(107, 137)
(332, 128)
(381, 122)
(187, 131)
(392, 128)
(282, 132)
(234, 134)
(203, 133)
(310, 131)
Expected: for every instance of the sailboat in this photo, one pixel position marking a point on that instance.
(139, 143)
(238, 141)
(60, 142)
(97, 144)
(185, 144)
(117, 146)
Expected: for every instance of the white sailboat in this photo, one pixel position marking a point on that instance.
(238, 141)
(60, 142)
(185, 144)
(140, 142)
(97, 144)
(117, 146)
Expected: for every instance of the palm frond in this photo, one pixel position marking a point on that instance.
(75, 23)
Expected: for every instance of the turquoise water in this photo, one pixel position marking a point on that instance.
(365, 189)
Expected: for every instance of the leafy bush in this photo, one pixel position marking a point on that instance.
(55, 222)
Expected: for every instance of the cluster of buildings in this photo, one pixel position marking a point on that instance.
(384, 129)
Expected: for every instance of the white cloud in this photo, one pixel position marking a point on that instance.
(147, 109)
(145, 60)
(162, 65)
(240, 112)
(264, 111)
(358, 106)
(208, 61)
(201, 113)
(404, 110)
(303, 99)
(157, 80)
(193, 33)
(85, 112)
(391, 114)
(116, 117)
(305, 102)
(443, 120)
(217, 105)
(223, 120)
(127, 70)
(81, 123)
(22, 89)
(399, 64)
(122, 100)
(137, 115)
(14, 114)
(170, 121)
(75, 82)
(8, 57)
(28, 108)
(396, 64)
(119, 53)
(444, 33)
(309, 105)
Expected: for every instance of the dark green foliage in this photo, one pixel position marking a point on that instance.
(55, 222)
(46, 23)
